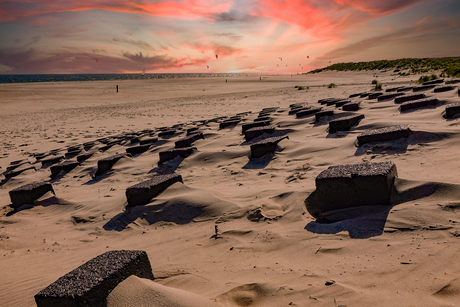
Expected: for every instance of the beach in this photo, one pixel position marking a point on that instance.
(267, 249)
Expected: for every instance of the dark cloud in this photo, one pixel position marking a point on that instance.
(231, 16)
(138, 43)
(156, 60)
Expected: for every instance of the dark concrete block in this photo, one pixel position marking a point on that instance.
(171, 154)
(108, 146)
(71, 154)
(91, 283)
(66, 166)
(74, 148)
(258, 131)
(85, 156)
(452, 109)
(351, 106)
(148, 141)
(331, 101)
(248, 126)
(344, 123)
(389, 96)
(294, 105)
(453, 81)
(364, 95)
(134, 150)
(167, 132)
(340, 103)
(375, 95)
(143, 192)
(440, 89)
(52, 160)
(346, 186)
(270, 109)
(10, 173)
(322, 113)
(307, 111)
(106, 164)
(431, 82)
(189, 140)
(192, 130)
(409, 98)
(354, 95)
(265, 146)
(384, 134)
(405, 89)
(294, 110)
(28, 193)
(418, 104)
(392, 89)
(228, 123)
(262, 119)
(423, 88)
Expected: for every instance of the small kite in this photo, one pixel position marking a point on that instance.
(96, 60)
(207, 66)
(278, 65)
(308, 57)
(217, 56)
(329, 61)
(281, 58)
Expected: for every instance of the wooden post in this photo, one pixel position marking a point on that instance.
(117, 88)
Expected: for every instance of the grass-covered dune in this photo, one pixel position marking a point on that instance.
(448, 66)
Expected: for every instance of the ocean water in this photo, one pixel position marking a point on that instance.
(96, 77)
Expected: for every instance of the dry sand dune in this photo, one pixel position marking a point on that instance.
(269, 250)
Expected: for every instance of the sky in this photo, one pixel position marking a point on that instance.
(219, 36)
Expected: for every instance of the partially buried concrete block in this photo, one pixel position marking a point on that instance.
(322, 113)
(258, 131)
(265, 146)
(167, 132)
(344, 123)
(351, 106)
(106, 164)
(134, 150)
(345, 186)
(148, 141)
(248, 126)
(440, 89)
(85, 156)
(228, 123)
(307, 111)
(420, 103)
(437, 81)
(406, 98)
(389, 96)
(423, 88)
(189, 140)
(28, 193)
(452, 110)
(178, 152)
(64, 166)
(143, 192)
(375, 95)
(384, 134)
(453, 81)
(51, 160)
(91, 283)
(340, 103)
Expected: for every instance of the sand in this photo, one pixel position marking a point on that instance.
(269, 250)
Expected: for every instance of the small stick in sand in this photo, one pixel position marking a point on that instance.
(216, 232)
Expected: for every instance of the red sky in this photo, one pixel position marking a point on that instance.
(266, 36)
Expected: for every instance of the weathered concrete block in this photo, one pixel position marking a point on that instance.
(66, 166)
(331, 101)
(28, 193)
(389, 96)
(258, 131)
(418, 104)
(354, 95)
(409, 98)
(228, 123)
(296, 109)
(263, 119)
(88, 145)
(351, 106)
(189, 140)
(248, 126)
(344, 123)
(71, 154)
(431, 82)
(192, 130)
(265, 146)
(405, 89)
(392, 89)
(452, 109)
(52, 160)
(364, 95)
(346, 186)
(85, 156)
(74, 148)
(134, 150)
(375, 95)
(91, 283)
(423, 88)
(166, 132)
(148, 141)
(307, 111)
(322, 113)
(10, 173)
(340, 103)
(384, 134)
(453, 81)
(171, 154)
(143, 192)
(440, 89)
(106, 164)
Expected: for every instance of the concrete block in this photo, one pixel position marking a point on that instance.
(307, 111)
(189, 140)
(345, 186)
(91, 283)
(143, 192)
(452, 109)
(322, 113)
(263, 119)
(423, 88)
(228, 123)
(148, 141)
(171, 154)
(167, 132)
(405, 89)
(85, 156)
(340, 103)
(431, 82)
(351, 106)
(66, 166)
(375, 95)
(420, 103)
(28, 193)
(446, 88)
(384, 134)
(258, 131)
(405, 98)
(344, 123)
(106, 164)
(453, 81)
(392, 89)
(134, 150)
(389, 96)
(52, 160)
(265, 146)
(248, 126)
(354, 95)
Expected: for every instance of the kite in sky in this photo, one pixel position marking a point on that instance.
(217, 56)
(96, 60)
(281, 58)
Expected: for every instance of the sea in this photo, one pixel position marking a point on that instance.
(99, 77)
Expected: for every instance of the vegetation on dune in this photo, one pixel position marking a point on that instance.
(331, 85)
(374, 81)
(378, 86)
(449, 66)
(427, 78)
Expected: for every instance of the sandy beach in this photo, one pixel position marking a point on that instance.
(269, 250)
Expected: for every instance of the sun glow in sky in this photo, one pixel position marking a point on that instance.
(184, 36)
